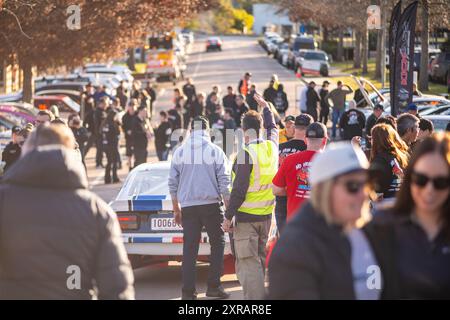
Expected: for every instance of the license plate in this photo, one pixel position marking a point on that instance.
(164, 224)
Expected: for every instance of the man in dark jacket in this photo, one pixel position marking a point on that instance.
(371, 121)
(250, 98)
(80, 133)
(189, 90)
(152, 94)
(59, 247)
(241, 108)
(11, 153)
(270, 92)
(352, 122)
(141, 133)
(312, 101)
(98, 117)
(229, 100)
(127, 127)
(162, 137)
(280, 100)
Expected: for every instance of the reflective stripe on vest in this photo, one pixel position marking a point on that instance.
(259, 199)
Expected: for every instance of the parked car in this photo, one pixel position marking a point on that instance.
(304, 42)
(440, 68)
(66, 106)
(440, 122)
(122, 71)
(18, 113)
(424, 103)
(273, 44)
(144, 209)
(6, 126)
(281, 50)
(213, 43)
(268, 36)
(438, 110)
(313, 62)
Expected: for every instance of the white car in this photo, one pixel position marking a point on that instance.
(313, 61)
(144, 210)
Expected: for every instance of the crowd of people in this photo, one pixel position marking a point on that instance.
(346, 213)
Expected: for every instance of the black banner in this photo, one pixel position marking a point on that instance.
(395, 19)
(404, 59)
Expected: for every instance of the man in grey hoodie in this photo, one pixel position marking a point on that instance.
(199, 184)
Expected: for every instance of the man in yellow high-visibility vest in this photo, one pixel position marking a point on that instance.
(251, 200)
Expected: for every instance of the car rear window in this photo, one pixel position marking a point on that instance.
(152, 182)
(315, 56)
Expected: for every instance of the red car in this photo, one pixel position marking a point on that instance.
(213, 43)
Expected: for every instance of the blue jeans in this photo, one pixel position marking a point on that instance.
(194, 219)
(336, 117)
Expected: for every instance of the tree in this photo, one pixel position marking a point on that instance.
(433, 13)
(108, 28)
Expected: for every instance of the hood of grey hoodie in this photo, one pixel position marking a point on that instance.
(196, 162)
(198, 139)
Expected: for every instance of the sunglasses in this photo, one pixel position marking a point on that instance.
(354, 186)
(421, 180)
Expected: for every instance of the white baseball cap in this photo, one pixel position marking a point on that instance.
(337, 159)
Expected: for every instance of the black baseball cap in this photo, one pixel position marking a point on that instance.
(316, 130)
(248, 74)
(16, 129)
(289, 118)
(379, 107)
(303, 120)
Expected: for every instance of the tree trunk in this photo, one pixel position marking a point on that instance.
(131, 61)
(28, 84)
(325, 34)
(365, 51)
(423, 75)
(378, 56)
(357, 60)
(340, 48)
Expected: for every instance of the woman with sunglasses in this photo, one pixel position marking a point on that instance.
(420, 223)
(388, 158)
(322, 254)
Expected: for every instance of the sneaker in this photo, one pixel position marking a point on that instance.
(189, 296)
(218, 292)
(117, 180)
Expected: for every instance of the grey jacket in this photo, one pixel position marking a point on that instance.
(54, 231)
(199, 173)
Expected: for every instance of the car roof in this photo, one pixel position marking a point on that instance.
(162, 165)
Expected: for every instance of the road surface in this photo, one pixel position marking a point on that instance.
(239, 55)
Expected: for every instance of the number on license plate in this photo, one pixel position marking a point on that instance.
(164, 224)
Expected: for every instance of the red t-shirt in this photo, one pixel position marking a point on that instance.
(293, 176)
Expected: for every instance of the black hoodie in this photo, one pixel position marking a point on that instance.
(312, 260)
(51, 225)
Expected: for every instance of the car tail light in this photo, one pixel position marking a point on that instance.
(128, 222)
